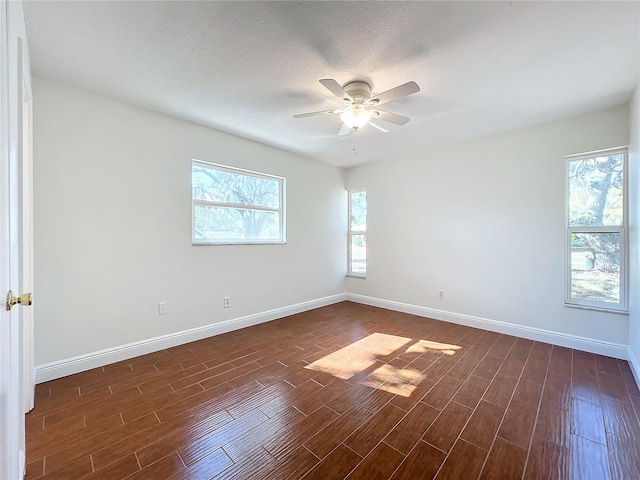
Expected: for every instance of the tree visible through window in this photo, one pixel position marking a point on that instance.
(596, 230)
(236, 206)
(357, 233)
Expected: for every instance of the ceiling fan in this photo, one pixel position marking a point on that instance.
(360, 108)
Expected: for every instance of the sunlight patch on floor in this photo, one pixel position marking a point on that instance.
(358, 356)
(362, 355)
(390, 379)
(423, 346)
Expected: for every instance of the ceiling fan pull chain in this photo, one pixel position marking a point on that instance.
(353, 149)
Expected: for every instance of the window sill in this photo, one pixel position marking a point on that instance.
(598, 309)
(204, 244)
(351, 275)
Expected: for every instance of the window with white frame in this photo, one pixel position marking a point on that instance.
(230, 205)
(357, 233)
(596, 239)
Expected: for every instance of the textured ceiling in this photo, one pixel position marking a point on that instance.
(247, 67)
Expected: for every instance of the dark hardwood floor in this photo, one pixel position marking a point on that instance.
(345, 391)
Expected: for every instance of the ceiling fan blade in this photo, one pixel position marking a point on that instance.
(378, 127)
(390, 117)
(403, 90)
(335, 88)
(344, 130)
(313, 114)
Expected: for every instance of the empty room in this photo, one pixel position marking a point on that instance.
(320, 240)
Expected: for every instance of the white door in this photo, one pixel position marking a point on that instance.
(16, 367)
(25, 216)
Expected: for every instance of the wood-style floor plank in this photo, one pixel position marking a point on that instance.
(423, 462)
(337, 464)
(344, 391)
(505, 460)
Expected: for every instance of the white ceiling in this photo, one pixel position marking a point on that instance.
(247, 67)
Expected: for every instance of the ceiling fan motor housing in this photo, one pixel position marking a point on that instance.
(359, 91)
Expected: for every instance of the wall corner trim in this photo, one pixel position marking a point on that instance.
(586, 344)
(634, 363)
(80, 363)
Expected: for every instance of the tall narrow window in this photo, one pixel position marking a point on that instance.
(357, 233)
(597, 230)
(230, 205)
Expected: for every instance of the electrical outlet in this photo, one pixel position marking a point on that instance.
(162, 308)
(226, 302)
(440, 294)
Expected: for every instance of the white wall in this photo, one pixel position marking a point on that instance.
(484, 221)
(113, 227)
(634, 214)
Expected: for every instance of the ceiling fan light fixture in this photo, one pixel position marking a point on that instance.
(355, 116)
(359, 107)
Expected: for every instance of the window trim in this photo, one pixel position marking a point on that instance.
(281, 210)
(621, 307)
(351, 233)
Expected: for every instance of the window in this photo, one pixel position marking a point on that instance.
(596, 243)
(357, 233)
(236, 206)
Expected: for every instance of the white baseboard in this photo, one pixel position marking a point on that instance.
(610, 349)
(634, 363)
(69, 366)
